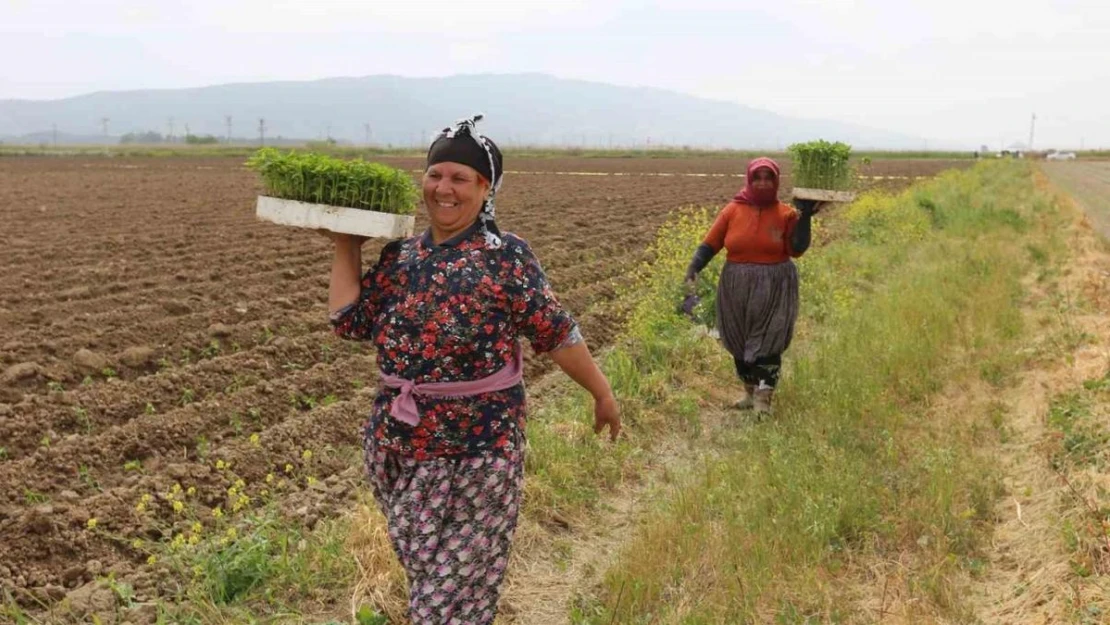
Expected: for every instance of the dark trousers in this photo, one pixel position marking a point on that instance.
(763, 372)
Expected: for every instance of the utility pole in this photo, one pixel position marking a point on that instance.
(1032, 126)
(261, 131)
(367, 128)
(227, 120)
(187, 133)
(54, 130)
(169, 124)
(104, 126)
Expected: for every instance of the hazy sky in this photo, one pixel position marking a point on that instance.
(959, 72)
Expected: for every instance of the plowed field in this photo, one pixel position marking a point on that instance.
(150, 328)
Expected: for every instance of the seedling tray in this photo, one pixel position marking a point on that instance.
(823, 195)
(334, 218)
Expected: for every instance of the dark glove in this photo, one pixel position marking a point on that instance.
(807, 208)
(689, 304)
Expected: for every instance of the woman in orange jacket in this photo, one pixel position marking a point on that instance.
(757, 296)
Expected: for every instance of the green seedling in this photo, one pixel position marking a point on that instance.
(321, 179)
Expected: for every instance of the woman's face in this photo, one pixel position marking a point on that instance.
(453, 195)
(763, 179)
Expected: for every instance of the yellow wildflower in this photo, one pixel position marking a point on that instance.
(269, 478)
(306, 455)
(232, 533)
(194, 539)
(137, 543)
(151, 560)
(91, 524)
(255, 439)
(220, 465)
(178, 507)
(217, 512)
(288, 468)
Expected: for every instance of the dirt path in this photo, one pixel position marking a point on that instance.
(554, 567)
(1032, 577)
(1089, 183)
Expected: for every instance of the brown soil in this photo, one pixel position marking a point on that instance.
(206, 326)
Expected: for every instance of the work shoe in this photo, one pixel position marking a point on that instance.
(747, 402)
(761, 402)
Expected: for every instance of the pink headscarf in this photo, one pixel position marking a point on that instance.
(761, 197)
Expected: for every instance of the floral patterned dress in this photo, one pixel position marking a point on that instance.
(450, 486)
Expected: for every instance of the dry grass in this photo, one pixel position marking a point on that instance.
(1032, 575)
(381, 580)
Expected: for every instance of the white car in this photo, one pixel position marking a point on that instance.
(1061, 156)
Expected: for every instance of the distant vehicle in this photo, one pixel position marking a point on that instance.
(1061, 156)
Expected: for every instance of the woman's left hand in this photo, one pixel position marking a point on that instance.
(607, 413)
(575, 361)
(808, 207)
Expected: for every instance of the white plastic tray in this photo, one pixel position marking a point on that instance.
(823, 195)
(334, 218)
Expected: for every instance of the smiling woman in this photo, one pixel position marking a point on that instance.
(454, 194)
(444, 443)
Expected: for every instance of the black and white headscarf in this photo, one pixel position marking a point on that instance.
(462, 143)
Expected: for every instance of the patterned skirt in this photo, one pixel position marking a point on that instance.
(757, 306)
(451, 522)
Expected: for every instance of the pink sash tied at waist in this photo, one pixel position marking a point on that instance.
(404, 409)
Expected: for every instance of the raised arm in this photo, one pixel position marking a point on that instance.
(346, 272)
(801, 234)
(354, 299)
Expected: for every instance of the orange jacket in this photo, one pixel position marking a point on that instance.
(754, 235)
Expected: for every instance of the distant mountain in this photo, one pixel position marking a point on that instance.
(534, 109)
